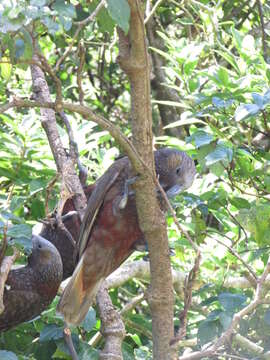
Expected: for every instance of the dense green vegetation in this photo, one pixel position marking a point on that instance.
(215, 56)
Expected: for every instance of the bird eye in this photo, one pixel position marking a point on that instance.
(178, 170)
(39, 246)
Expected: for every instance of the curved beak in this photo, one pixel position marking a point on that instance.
(174, 190)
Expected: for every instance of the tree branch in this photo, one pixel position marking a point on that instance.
(81, 24)
(63, 162)
(5, 268)
(133, 59)
(112, 327)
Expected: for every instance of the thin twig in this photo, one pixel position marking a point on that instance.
(4, 244)
(49, 188)
(69, 342)
(81, 24)
(182, 230)
(4, 271)
(148, 17)
(264, 45)
(79, 72)
(73, 148)
(234, 253)
(189, 285)
(258, 299)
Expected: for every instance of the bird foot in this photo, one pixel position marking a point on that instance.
(123, 202)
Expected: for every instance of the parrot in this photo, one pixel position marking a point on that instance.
(110, 230)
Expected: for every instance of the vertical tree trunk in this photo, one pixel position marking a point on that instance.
(133, 58)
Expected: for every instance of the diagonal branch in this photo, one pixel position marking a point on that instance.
(5, 268)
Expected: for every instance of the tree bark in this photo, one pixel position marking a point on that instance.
(133, 58)
(63, 162)
(112, 328)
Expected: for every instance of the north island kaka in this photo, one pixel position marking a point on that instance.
(110, 231)
(30, 289)
(54, 232)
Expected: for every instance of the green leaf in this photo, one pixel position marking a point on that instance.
(209, 300)
(245, 111)
(142, 353)
(225, 319)
(267, 317)
(201, 138)
(221, 153)
(5, 68)
(37, 185)
(7, 355)
(105, 21)
(17, 202)
(229, 58)
(39, 3)
(120, 13)
(88, 353)
(220, 103)
(127, 351)
(267, 73)
(90, 320)
(59, 354)
(19, 230)
(19, 48)
(238, 38)
(232, 302)
(266, 98)
(66, 22)
(51, 332)
(136, 339)
(184, 121)
(258, 99)
(37, 209)
(240, 203)
(223, 76)
(28, 52)
(207, 331)
(64, 9)
(52, 26)
(256, 220)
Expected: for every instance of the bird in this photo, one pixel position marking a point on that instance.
(110, 231)
(65, 236)
(30, 289)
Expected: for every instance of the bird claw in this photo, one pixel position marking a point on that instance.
(68, 215)
(123, 202)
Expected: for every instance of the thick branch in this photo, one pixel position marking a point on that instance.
(63, 162)
(112, 327)
(4, 271)
(133, 59)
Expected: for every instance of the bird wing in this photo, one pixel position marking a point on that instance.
(20, 306)
(96, 200)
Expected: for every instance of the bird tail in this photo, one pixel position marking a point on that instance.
(77, 298)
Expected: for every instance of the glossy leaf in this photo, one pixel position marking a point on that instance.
(120, 13)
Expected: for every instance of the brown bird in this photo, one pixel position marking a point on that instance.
(30, 289)
(110, 231)
(65, 241)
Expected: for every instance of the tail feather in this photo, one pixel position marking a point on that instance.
(76, 298)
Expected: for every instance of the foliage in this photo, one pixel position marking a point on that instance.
(213, 60)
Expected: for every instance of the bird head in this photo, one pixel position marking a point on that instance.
(175, 170)
(44, 253)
